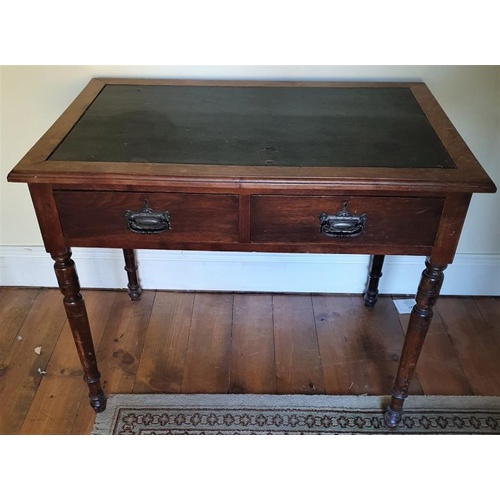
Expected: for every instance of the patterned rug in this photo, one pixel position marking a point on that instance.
(293, 414)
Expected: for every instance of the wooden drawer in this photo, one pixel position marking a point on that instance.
(95, 217)
(391, 221)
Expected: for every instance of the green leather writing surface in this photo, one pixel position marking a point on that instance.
(280, 126)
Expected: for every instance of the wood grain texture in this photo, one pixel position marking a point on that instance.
(359, 347)
(418, 326)
(476, 343)
(450, 228)
(49, 141)
(469, 176)
(58, 400)
(463, 157)
(163, 359)
(78, 320)
(209, 350)
(457, 358)
(15, 304)
(23, 368)
(252, 350)
(489, 308)
(298, 362)
(193, 217)
(439, 370)
(48, 217)
(391, 221)
(120, 350)
(131, 267)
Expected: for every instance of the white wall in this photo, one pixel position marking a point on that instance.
(32, 97)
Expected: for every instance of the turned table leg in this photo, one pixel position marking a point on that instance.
(420, 319)
(77, 317)
(374, 275)
(134, 289)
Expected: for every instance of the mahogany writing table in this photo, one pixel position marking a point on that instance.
(368, 168)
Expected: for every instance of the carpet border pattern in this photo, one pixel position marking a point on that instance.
(234, 414)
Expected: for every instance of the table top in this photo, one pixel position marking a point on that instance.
(368, 135)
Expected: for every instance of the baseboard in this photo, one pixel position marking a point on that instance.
(470, 274)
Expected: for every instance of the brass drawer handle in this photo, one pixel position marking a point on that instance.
(147, 220)
(342, 224)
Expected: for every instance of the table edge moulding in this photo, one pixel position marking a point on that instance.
(253, 166)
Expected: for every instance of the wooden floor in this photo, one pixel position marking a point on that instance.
(223, 342)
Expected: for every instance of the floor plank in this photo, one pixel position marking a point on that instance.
(489, 308)
(22, 366)
(477, 347)
(15, 304)
(209, 350)
(252, 361)
(163, 359)
(298, 362)
(120, 349)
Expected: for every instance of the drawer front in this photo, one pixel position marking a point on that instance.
(140, 219)
(346, 220)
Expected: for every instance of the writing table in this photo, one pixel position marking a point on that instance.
(365, 168)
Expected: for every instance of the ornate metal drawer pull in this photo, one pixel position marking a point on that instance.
(342, 224)
(147, 220)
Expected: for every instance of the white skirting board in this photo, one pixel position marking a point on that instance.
(470, 274)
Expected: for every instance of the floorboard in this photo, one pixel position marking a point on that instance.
(253, 366)
(163, 359)
(475, 343)
(23, 368)
(208, 354)
(298, 361)
(223, 342)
